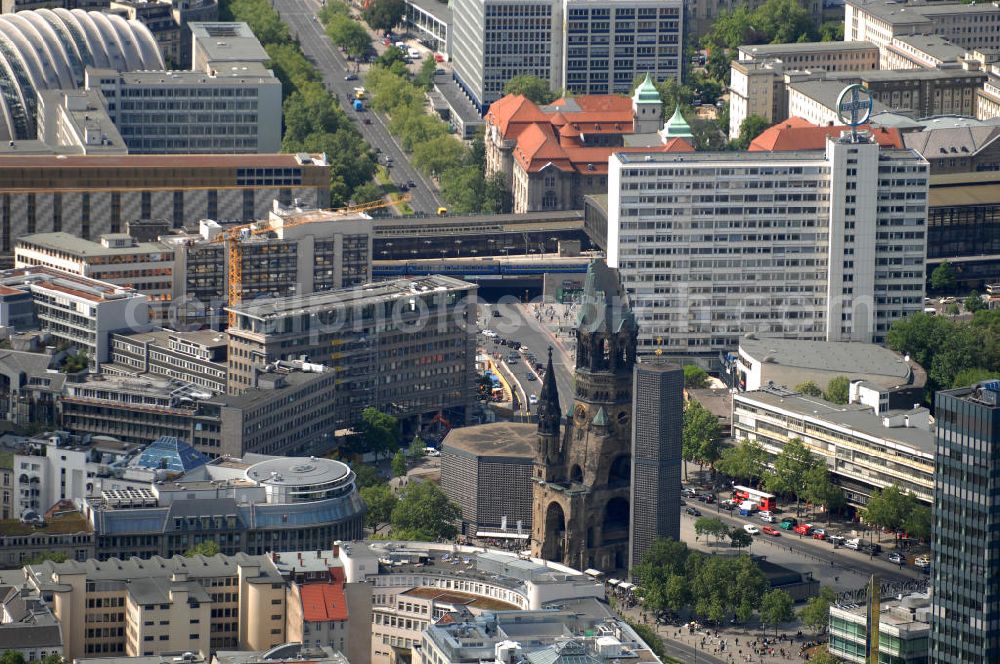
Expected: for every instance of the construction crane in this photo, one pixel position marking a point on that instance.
(232, 236)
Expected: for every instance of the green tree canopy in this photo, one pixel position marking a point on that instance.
(918, 523)
(379, 431)
(384, 15)
(695, 377)
(369, 192)
(974, 302)
(889, 508)
(751, 127)
(424, 513)
(791, 468)
(349, 34)
(943, 278)
(776, 608)
(818, 488)
(831, 31)
(205, 548)
(379, 501)
(12, 657)
(425, 78)
(437, 155)
(740, 538)
(816, 612)
(823, 656)
(838, 390)
(399, 463)
(365, 475)
(416, 450)
(967, 377)
(744, 462)
(710, 525)
(700, 435)
(534, 88)
(809, 389)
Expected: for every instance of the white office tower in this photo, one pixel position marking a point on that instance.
(822, 245)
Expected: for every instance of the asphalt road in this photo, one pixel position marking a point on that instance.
(822, 551)
(515, 324)
(300, 15)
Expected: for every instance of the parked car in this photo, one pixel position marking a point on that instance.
(853, 544)
(727, 505)
(689, 491)
(836, 540)
(693, 511)
(708, 498)
(896, 557)
(767, 517)
(351, 77)
(803, 529)
(411, 184)
(788, 523)
(819, 533)
(751, 529)
(771, 530)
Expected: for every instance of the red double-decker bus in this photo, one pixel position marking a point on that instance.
(766, 501)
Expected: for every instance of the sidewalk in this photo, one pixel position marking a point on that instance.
(734, 643)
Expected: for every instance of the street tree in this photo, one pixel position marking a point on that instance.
(819, 490)
(534, 88)
(384, 15)
(740, 538)
(437, 155)
(367, 193)
(347, 33)
(974, 302)
(206, 548)
(700, 435)
(424, 513)
(918, 523)
(751, 127)
(838, 390)
(379, 503)
(776, 608)
(365, 475)
(943, 278)
(417, 448)
(745, 462)
(789, 472)
(889, 509)
(695, 377)
(710, 525)
(379, 431)
(809, 389)
(823, 656)
(399, 463)
(425, 77)
(816, 612)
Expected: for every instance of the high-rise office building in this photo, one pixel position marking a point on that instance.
(807, 244)
(966, 613)
(658, 413)
(589, 47)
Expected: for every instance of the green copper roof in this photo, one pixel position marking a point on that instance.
(647, 92)
(601, 419)
(677, 126)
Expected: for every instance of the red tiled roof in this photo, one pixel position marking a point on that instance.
(798, 134)
(612, 104)
(324, 602)
(514, 109)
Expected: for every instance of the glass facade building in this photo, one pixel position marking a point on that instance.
(966, 528)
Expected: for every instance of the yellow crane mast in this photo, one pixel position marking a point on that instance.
(231, 237)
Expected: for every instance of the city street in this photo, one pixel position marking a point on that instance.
(517, 324)
(300, 15)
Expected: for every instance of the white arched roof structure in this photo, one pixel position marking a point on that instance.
(49, 48)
